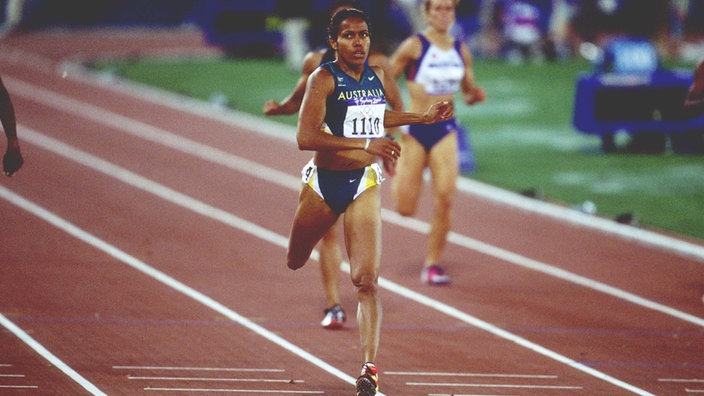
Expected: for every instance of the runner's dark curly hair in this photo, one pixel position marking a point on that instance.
(336, 20)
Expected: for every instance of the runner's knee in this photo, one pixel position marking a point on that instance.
(443, 200)
(404, 207)
(365, 283)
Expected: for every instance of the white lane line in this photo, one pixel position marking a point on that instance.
(478, 375)
(466, 394)
(43, 352)
(209, 379)
(6, 386)
(689, 380)
(19, 387)
(547, 269)
(173, 368)
(150, 133)
(247, 391)
(206, 210)
(487, 375)
(512, 386)
(181, 200)
(499, 332)
(270, 175)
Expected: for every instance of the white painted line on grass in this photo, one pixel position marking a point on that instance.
(41, 350)
(209, 211)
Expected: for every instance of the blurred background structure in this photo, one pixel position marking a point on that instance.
(623, 37)
(517, 30)
(620, 37)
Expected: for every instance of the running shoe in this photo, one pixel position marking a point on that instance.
(334, 318)
(368, 382)
(434, 275)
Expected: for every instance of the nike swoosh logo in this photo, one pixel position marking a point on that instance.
(352, 180)
(370, 78)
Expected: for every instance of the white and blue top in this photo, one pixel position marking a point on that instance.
(439, 71)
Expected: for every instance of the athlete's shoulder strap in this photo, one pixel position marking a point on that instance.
(425, 43)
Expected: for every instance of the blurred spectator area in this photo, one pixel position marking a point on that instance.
(252, 27)
(524, 28)
(47, 14)
(243, 27)
(492, 27)
(673, 25)
(596, 18)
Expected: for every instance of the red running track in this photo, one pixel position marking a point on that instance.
(143, 249)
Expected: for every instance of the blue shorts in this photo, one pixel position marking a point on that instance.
(339, 188)
(429, 134)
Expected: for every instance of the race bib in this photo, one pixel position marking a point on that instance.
(365, 117)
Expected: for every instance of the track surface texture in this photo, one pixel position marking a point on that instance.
(143, 252)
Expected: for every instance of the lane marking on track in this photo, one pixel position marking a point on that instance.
(269, 175)
(525, 262)
(173, 368)
(247, 391)
(204, 370)
(183, 201)
(19, 387)
(212, 379)
(150, 133)
(485, 375)
(465, 394)
(680, 380)
(43, 352)
(175, 197)
(494, 376)
(513, 386)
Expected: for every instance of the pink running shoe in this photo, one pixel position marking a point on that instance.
(434, 275)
